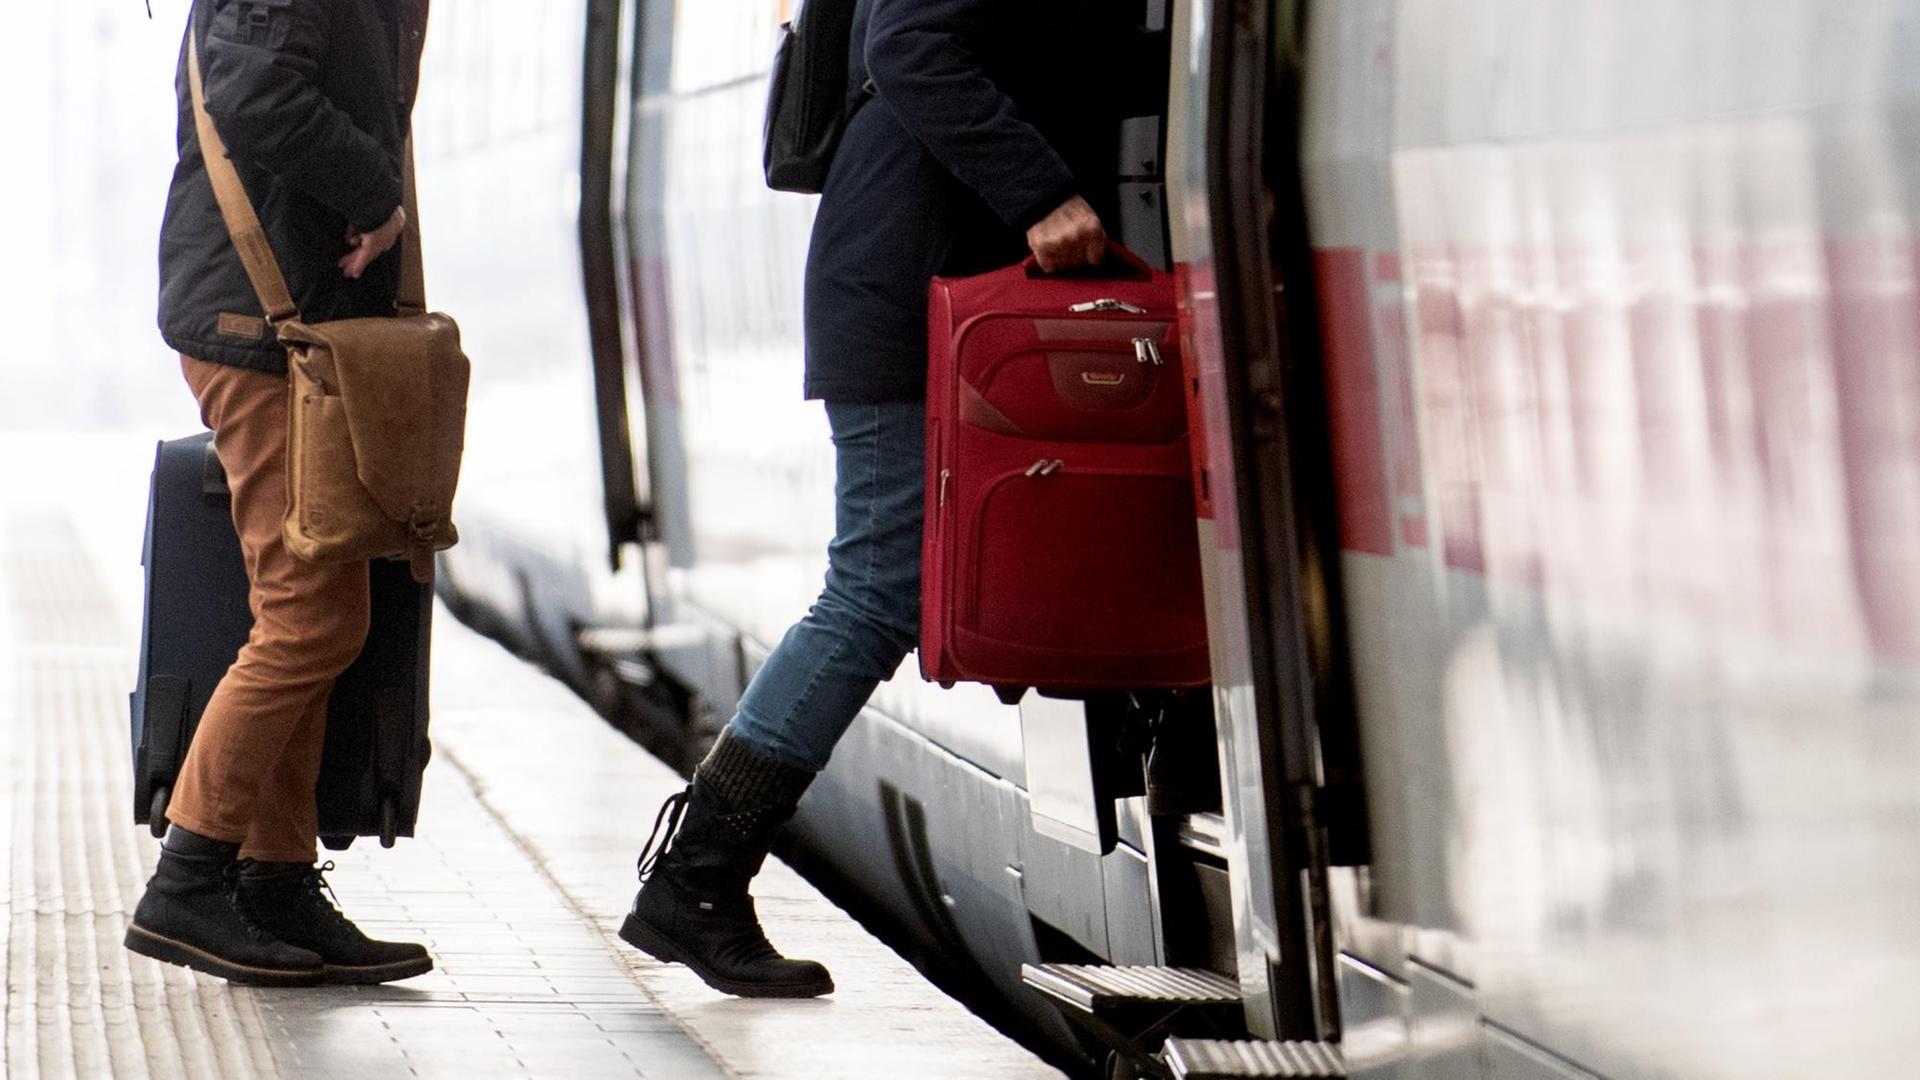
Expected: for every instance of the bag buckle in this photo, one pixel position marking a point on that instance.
(421, 530)
(422, 527)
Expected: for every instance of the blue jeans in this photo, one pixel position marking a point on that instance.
(868, 617)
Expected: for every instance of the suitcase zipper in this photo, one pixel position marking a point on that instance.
(1146, 351)
(1107, 304)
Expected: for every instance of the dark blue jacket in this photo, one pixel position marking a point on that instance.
(976, 119)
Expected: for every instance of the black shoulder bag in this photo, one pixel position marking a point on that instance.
(807, 101)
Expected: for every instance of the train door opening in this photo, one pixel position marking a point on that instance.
(1288, 734)
(1240, 873)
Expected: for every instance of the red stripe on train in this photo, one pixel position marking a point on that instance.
(1363, 496)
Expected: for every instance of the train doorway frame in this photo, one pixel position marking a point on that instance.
(1288, 736)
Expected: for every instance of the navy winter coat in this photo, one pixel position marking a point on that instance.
(977, 119)
(312, 98)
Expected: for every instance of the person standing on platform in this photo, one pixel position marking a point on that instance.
(975, 124)
(313, 99)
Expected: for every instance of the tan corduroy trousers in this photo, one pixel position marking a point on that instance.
(249, 776)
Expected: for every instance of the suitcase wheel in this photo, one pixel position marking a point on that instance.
(157, 811)
(337, 843)
(389, 821)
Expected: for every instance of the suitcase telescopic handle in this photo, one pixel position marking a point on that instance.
(1120, 264)
(213, 475)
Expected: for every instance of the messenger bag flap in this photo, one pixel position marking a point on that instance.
(405, 418)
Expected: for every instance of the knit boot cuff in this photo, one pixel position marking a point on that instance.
(746, 778)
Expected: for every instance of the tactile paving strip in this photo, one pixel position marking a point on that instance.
(524, 986)
(77, 1003)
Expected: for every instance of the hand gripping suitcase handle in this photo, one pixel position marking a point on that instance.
(1120, 264)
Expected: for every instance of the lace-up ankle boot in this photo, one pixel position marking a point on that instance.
(709, 841)
(293, 901)
(189, 916)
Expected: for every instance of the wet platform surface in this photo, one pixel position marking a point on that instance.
(533, 813)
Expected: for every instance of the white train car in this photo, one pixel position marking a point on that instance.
(1560, 362)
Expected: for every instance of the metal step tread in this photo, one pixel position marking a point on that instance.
(1221, 1059)
(1097, 986)
(637, 640)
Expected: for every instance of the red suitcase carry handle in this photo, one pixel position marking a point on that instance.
(1136, 268)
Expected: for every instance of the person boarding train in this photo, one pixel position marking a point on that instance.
(973, 129)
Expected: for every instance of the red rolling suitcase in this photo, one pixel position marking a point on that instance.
(1060, 549)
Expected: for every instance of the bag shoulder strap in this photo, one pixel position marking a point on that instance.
(412, 298)
(250, 239)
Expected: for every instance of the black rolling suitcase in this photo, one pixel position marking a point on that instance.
(196, 620)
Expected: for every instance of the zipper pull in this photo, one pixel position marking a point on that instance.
(945, 475)
(1145, 351)
(1107, 304)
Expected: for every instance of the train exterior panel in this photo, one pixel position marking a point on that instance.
(1621, 330)
(497, 128)
(1601, 321)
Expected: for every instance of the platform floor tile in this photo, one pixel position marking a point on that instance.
(524, 987)
(884, 1022)
(533, 814)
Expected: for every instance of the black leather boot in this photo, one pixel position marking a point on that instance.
(190, 916)
(291, 901)
(694, 907)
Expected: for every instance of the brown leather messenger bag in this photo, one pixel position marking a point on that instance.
(379, 406)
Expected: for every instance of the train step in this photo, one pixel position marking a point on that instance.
(1098, 988)
(618, 641)
(1225, 1059)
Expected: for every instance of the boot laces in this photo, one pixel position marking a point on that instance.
(312, 895)
(318, 879)
(320, 898)
(666, 826)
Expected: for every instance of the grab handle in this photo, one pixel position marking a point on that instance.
(1120, 264)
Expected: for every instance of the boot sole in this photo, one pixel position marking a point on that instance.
(638, 934)
(344, 975)
(168, 951)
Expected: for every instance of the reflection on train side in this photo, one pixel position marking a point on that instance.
(1624, 351)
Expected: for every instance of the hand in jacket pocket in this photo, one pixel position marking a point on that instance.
(1070, 236)
(367, 247)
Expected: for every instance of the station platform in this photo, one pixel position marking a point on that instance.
(524, 864)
